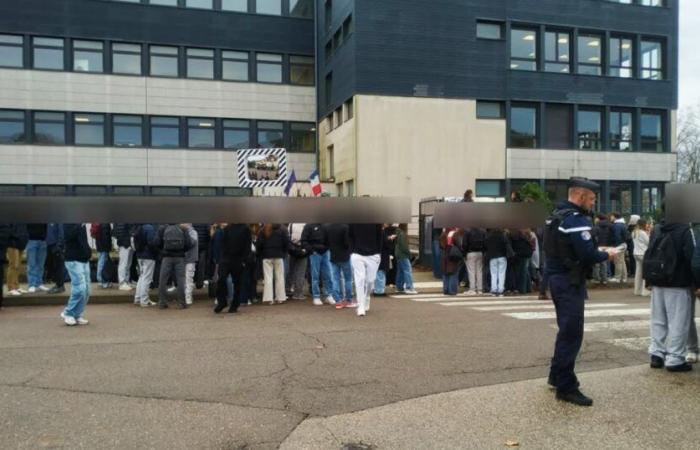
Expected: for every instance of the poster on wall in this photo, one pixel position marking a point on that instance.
(262, 167)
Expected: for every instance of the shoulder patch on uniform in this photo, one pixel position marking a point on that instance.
(586, 235)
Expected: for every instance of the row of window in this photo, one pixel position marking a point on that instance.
(293, 8)
(81, 55)
(595, 128)
(657, 3)
(122, 130)
(89, 190)
(341, 115)
(624, 56)
(339, 37)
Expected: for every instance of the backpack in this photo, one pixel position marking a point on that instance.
(660, 260)
(140, 242)
(174, 239)
(477, 240)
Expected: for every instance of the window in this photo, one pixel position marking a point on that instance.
(200, 63)
(166, 191)
(651, 198)
(234, 5)
(329, 50)
(523, 126)
(269, 67)
(165, 132)
(11, 51)
(589, 55)
(652, 60)
(273, 7)
(301, 8)
(204, 4)
(201, 133)
(652, 132)
(489, 30)
(50, 190)
(236, 134)
(201, 192)
(620, 57)
(328, 88)
(621, 198)
(349, 110)
(127, 190)
(47, 53)
(559, 124)
(234, 65)
(348, 27)
(523, 49)
(164, 61)
(12, 127)
(88, 56)
(49, 128)
(652, 2)
(126, 59)
(127, 131)
(621, 130)
(301, 70)
(270, 134)
(163, 2)
(489, 188)
(303, 137)
(90, 190)
(338, 115)
(329, 14)
(590, 129)
(489, 110)
(557, 48)
(89, 129)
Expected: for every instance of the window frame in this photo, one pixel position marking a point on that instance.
(152, 54)
(310, 64)
(601, 124)
(246, 11)
(115, 51)
(176, 126)
(501, 113)
(615, 133)
(619, 49)
(225, 126)
(75, 49)
(211, 59)
(643, 69)
(15, 45)
(115, 124)
(536, 137)
(494, 23)
(75, 125)
(521, 59)
(558, 35)
(281, 9)
(263, 62)
(22, 121)
(660, 143)
(34, 122)
(34, 48)
(312, 130)
(600, 63)
(225, 59)
(259, 129)
(189, 127)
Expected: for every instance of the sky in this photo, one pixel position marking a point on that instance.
(689, 58)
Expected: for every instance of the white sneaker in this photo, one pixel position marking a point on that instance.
(15, 292)
(411, 291)
(69, 320)
(82, 321)
(172, 289)
(361, 312)
(148, 304)
(691, 357)
(31, 290)
(318, 302)
(44, 288)
(470, 293)
(188, 301)
(125, 287)
(330, 300)
(23, 291)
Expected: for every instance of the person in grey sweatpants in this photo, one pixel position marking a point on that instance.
(693, 348)
(173, 261)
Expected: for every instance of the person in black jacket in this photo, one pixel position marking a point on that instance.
(523, 252)
(5, 235)
(388, 235)
(339, 242)
(496, 254)
(602, 232)
(172, 242)
(271, 246)
(16, 245)
(315, 239)
(103, 244)
(77, 257)
(203, 238)
(146, 255)
(122, 232)
(366, 245)
(236, 244)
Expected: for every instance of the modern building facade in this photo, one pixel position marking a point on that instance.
(393, 97)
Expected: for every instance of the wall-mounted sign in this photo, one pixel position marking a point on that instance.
(262, 167)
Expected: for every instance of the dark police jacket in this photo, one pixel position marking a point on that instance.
(569, 243)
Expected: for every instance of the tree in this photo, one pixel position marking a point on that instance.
(533, 192)
(689, 145)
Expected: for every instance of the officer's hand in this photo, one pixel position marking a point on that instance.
(612, 253)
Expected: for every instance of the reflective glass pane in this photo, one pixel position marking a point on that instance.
(89, 129)
(205, 4)
(11, 56)
(523, 127)
(301, 8)
(200, 68)
(48, 58)
(269, 73)
(235, 70)
(273, 7)
(12, 127)
(86, 61)
(523, 43)
(126, 63)
(486, 30)
(236, 138)
(234, 5)
(165, 66)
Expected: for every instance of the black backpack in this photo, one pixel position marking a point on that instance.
(139, 235)
(660, 260)
(174, 239)
(477, 240)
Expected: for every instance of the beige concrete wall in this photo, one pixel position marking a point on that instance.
(343, 140)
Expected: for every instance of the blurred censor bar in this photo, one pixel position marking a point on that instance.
(489, 215)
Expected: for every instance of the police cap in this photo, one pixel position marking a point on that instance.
(585, 183)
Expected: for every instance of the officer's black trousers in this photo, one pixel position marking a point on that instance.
(569, 305)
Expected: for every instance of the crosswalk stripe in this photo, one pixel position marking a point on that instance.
(411, 297)
(484, 300)
(618, 326)
(522, 307)
(634, 343)
(491, 303)
(595, 313)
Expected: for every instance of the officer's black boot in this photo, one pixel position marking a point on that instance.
(575, 397)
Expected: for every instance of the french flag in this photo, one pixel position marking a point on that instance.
(315, 180)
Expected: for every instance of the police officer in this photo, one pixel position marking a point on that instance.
(570, 253)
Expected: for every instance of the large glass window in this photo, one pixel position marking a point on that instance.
(590, 129)
(489, 30)
(89, 129)
(201, 133)
(236, 134)
(301, 8)
(270, 134)
(621, 130)
(301, 70)
(126, 59)
(88, 56)
(651, 199)
(559, 124)
(652, 60)
(235, 65)
(303, 137)
(348, 27)
(47, 53)
(621, 198)
(200, 63)
(127, 131)
(165, 132)
(590, 60)
(523, 126)
(164, 61)
(204, 4)
(163, 2)
(621, 54)
(234, 5)
(11, 50)
(273, 7)
(652, 138)
(12, 127)
(49, 128)
(557, 51)
(652, 2)
(489, 188)
(523, 49)
(269, 67)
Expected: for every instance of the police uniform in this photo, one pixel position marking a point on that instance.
(570, 254)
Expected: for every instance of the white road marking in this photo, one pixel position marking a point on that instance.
(523, 307)
(596, 313)
(634, 343)
(485, 300)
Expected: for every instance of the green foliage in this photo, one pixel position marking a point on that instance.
(533, 192)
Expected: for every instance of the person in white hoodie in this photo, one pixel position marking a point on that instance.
(640, 237)
(191, 258)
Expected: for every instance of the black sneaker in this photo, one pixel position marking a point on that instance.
(185, 306)
(685, 367)
(657, 362)
(232, 310)
(551, 383)
(163, 306)
(219, 308)
(57, 290)
(575, 397)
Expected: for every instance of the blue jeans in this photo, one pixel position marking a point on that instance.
(342, 281)
(437, 253)
(404, 275)
(450, 283)
(101, 260)
(321, 264)
(36, 258)
(498, 268)
(79, 273)
(380, 283)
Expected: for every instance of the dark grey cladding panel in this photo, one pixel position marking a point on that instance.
(167, 25)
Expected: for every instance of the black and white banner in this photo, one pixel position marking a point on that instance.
(262, 167)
